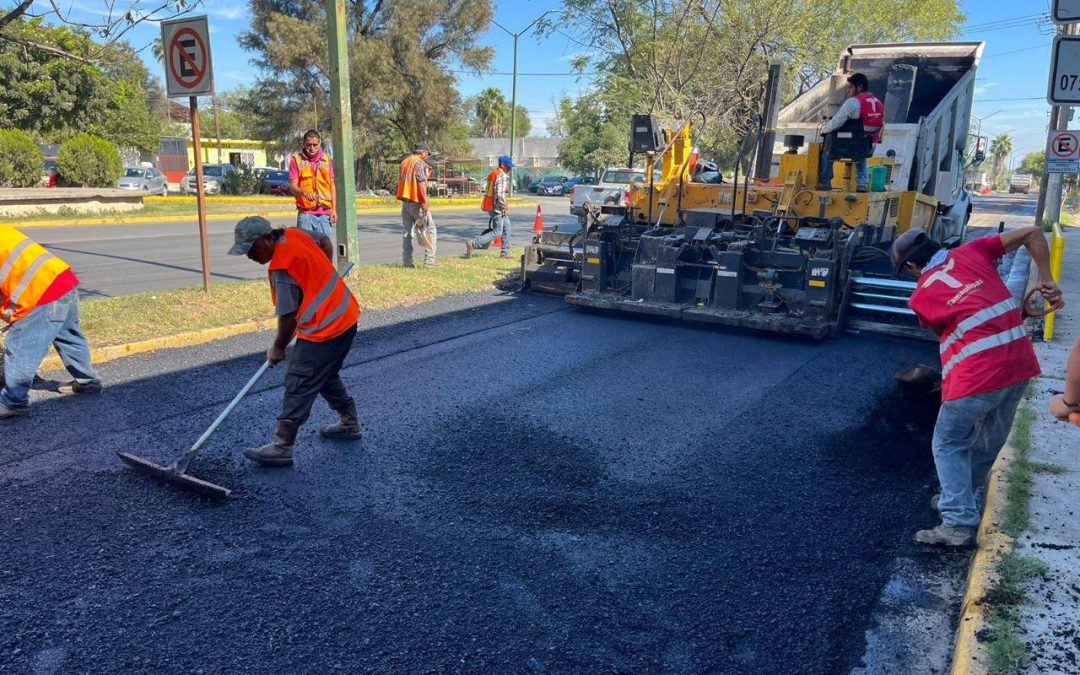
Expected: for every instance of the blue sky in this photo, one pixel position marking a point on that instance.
(1010, 92)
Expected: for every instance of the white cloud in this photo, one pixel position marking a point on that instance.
(984, 87)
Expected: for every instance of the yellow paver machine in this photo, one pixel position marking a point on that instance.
(771, 250)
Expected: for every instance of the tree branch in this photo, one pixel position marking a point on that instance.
(15, 13)
(55, 51)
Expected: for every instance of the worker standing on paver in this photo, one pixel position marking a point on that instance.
(313, 303)
(39, 305)
(986, 357)
(1066, 406)
(863, 114)
(415, 207)
(311, 180)
(496, 198)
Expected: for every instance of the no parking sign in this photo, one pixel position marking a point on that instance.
(188, 67)
(1064, 152)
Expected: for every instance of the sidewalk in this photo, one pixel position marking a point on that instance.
(1050, 623)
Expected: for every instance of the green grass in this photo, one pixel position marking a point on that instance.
(131, 318)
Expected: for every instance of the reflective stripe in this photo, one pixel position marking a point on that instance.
(338, 311)
(29, 275)
(980, 317)
(15, 254)
(320, 298)
(989, 342)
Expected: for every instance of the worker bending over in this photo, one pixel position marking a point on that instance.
(311, 302)
(986, 360)
(495, 203)
(39, 305)
(863, 116)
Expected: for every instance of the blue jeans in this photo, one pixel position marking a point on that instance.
(316, 224)
(499, 224)
(56, 324)
(862, 171)
(968, 436)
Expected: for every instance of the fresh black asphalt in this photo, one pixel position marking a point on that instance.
(538, 490)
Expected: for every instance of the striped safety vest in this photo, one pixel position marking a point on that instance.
(328, 308)
(984, 343)
(408, 189)
(27, 270)
(313, 177)
(488, 204)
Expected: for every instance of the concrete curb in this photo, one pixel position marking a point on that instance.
(187, 339)
(969, 654)
(137, 220)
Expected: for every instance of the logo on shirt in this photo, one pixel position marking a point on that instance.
(943, 276)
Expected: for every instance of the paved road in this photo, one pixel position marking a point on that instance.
(1015, 210)
(124, 259)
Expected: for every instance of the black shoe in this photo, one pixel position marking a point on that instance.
(822, 187)
(862, 188)
(76, 387)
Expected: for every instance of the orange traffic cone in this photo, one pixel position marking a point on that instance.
(538, 224)
(498, 242)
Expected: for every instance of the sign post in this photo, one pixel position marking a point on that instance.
(1064, 155)
(188, 72)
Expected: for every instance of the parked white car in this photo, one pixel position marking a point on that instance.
(611, 189)
(144, 179)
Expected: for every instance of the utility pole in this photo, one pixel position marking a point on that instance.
(342, 133)
(1049, 207)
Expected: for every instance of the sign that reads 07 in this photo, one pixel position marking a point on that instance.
(188, 67)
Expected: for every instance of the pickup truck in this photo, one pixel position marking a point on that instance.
(610, 189)
(1020, 182)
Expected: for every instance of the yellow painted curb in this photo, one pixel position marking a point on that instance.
(195, 337)
(969, 655)
(142, 220)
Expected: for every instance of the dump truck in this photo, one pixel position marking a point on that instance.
(770, 251)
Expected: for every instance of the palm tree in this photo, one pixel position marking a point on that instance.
(491, 108)
(1000, 148)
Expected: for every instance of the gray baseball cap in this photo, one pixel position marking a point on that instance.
(248, 230)
(421, 146)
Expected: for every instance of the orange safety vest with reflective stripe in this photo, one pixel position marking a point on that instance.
(26, 272)
(313, 177)
(489, 191)
(408, 187)
(327, 308)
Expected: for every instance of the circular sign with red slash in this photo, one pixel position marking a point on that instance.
(1065, 144)
(187, 58)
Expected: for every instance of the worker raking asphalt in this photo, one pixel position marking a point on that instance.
(537, 490)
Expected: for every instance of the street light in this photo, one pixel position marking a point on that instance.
(513, 86)
(978, 128)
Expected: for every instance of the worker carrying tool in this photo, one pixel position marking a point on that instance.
(863, 117)
(415, 207)
(313, 303)
(495, 203)
(39, 305)
(986, 360)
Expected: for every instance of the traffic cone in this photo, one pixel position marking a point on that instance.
(497, 243)
(538, 224)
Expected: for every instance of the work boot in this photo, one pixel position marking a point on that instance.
(947, 535)
(278, 452)
(348, 429)
(76, 387)
(11, 413)
(468, 248)
(861, 188)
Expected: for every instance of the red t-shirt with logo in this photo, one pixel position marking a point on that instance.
(984, 344)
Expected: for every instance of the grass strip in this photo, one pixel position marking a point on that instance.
(131, 318)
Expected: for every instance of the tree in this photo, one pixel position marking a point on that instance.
(55, 98)
(1000, 149)
(400, 55)
(489, 114)
(20, 159)
(1034, 163)
(592, 140)
(674, 57)
(90, 161)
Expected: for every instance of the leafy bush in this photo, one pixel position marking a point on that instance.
(20, 159)
(90, 161)
(243, 181)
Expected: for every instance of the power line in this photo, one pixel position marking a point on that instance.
(1029, 98)
(510, 74)
(1022, 19)
(1017, 51)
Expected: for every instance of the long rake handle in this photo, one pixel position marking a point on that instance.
(181, 464)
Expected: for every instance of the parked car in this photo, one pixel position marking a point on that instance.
(534, 185)
(143, 179)
(273, 182)
(212, 179)
(574, 181)
(50, 173)
(612, 188)
(551, 185)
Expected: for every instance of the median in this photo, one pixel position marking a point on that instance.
(146, 322)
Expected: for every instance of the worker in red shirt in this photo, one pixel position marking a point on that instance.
(986, 360)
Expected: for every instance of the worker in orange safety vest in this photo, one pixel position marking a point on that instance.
(415, 207)
(311, 181)
(313, 304)
(39, 306)
(495, 203)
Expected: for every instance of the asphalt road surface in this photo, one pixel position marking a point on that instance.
(123, 259)
(1015, 210)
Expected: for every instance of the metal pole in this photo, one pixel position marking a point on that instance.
(763, 170)
(342, 134)
(513, 111)
(1049, 206)
(200, 195)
